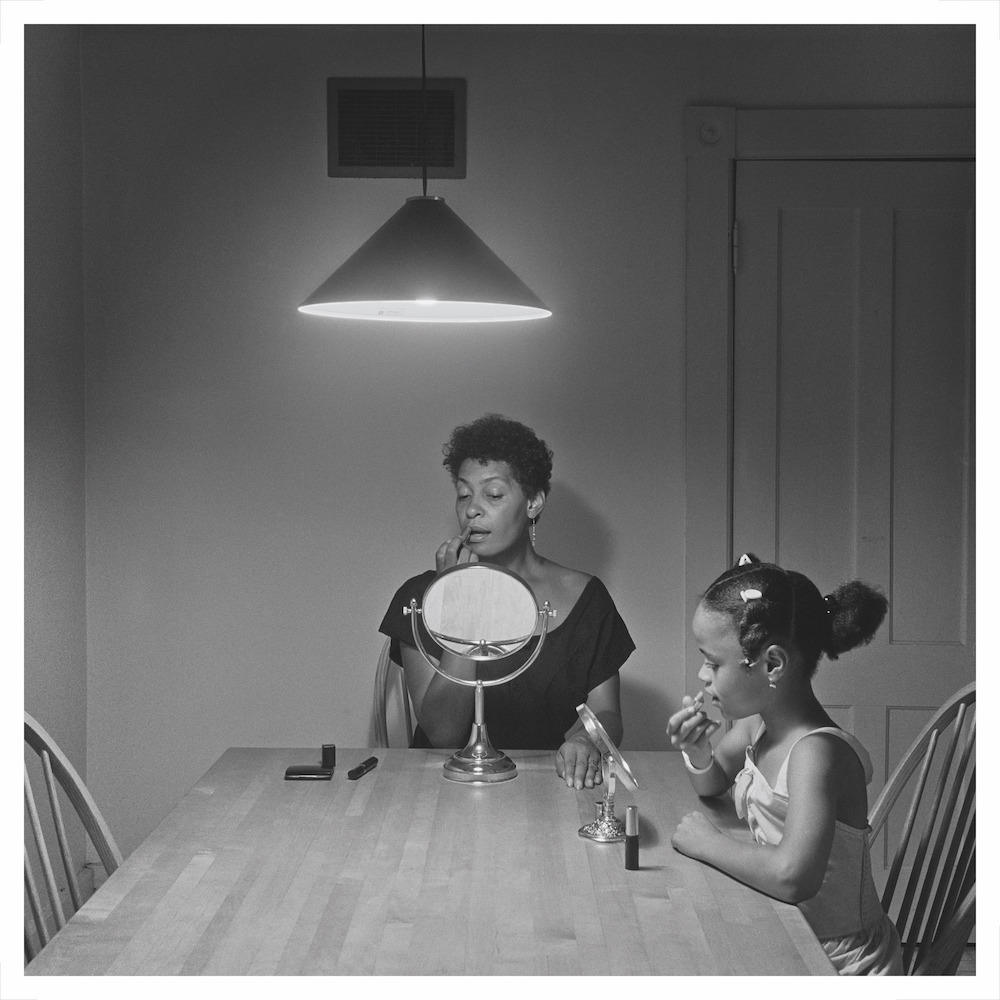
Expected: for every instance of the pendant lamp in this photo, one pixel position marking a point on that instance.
(425, 265)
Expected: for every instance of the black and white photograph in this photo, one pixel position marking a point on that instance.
(494, 495)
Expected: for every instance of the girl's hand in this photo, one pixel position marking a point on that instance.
(579, 763)
(453, 552)
(690, 728)
(692, 833)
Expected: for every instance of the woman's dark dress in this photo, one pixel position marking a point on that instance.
(535, 710)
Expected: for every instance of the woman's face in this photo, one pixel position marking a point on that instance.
(490, 502)
(735, 689)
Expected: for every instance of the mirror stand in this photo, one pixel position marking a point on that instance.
(607, 827)
(479, 760)
(464, 603)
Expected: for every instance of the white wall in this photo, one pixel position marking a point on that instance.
(55, 627)
(258, 482)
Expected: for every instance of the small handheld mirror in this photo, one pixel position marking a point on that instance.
(480, 612)
(606, 827)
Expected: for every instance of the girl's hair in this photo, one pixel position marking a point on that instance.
(769, 604)
(493, 438)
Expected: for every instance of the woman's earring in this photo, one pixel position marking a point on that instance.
(533, 520)
(772, 683)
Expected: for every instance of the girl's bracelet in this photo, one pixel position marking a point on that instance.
(699, 770)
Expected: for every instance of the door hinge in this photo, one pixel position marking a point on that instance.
(736, 246)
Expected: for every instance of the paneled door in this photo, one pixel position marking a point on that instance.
(853, 415)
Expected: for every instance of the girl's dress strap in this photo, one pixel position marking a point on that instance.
(849, 738)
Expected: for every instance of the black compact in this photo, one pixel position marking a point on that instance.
(315, 772)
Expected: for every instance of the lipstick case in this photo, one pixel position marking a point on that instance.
(632, 838)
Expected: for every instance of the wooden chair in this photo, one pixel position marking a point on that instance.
(931, 889)
(57, 768)
(389, 675)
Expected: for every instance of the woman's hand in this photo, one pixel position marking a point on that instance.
(690, 728)
(578, 761)
(693, 833)
(453, 552)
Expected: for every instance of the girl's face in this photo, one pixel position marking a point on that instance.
(488, 499)
(735, 689)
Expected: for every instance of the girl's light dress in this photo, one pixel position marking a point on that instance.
(846, 914)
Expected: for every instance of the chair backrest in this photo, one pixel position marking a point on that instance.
(57, 773)
(389, 677)
(931, 889)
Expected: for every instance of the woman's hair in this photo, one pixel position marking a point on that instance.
(769, 604)
(493, 438)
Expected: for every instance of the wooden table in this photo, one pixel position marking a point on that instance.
(405, 872)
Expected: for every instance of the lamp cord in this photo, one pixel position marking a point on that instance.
(423, 107)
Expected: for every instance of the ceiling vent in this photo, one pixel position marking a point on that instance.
(375, 127)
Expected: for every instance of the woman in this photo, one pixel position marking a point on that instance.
(502, 475)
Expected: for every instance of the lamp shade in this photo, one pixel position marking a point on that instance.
(425, 265)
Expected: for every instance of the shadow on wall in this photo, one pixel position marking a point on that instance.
(645, 710)
(573, 533)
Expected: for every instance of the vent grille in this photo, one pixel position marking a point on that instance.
(375, 127)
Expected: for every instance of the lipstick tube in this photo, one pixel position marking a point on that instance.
(632, 838)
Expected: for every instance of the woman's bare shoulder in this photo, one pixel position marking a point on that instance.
(571, 582)
(559, 585)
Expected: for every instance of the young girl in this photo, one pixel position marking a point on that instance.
(799, 779)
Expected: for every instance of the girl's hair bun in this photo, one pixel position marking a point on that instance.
(856, 610)
(767, 603)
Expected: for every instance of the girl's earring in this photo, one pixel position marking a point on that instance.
(772, 683)
(533, 520)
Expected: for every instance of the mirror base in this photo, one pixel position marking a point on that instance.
(474, 769)
(604, 831)
(607, 828)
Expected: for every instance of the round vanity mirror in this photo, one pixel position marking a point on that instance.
(607, 827)
(480, 612)
(602, 741)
